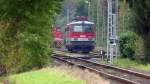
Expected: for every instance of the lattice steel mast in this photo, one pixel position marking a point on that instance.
(111, 30)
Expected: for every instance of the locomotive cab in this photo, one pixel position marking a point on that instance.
(80, 36)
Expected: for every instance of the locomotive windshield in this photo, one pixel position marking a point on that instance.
(83, 28)
(77, 28)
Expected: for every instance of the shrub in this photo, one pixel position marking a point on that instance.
(26, 38)
(127, 44)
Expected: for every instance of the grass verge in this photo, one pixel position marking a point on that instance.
(60, 74)
(123, 62)
(44, 76)
(2, 78)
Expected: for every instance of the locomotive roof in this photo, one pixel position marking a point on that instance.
(80, 22)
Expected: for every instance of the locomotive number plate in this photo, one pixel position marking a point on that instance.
(82, 39)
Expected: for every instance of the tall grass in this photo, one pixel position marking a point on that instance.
(124, 62)
(44, 76)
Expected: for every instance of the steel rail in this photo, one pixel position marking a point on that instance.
(112, 77)
(111, 67)
(118, 69)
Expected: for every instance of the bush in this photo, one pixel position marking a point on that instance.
(127, 44)
(25, 35)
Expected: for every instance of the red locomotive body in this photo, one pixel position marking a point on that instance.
(80, 36)
(58, 37)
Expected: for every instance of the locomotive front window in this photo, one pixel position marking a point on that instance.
(88, 28)
(83, 28)
(77, 28)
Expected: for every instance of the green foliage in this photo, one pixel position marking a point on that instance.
(26, 36)
(141, 9)
(134, 16)
(127, 44)
(127, 19)
(140, 53)
(82, 8)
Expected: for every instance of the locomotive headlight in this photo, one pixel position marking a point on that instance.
(74, 39)
(91, 39)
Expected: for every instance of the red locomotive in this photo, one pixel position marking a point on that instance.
(80, 35)
(58, 37)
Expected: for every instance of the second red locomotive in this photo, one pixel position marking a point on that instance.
(80, 35)
(58, 37)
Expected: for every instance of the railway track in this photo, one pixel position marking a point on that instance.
(118, 74)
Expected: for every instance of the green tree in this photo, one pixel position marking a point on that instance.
(82, 9)
(26, 32)
(141, 9)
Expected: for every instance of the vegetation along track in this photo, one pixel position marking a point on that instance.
(122, 75)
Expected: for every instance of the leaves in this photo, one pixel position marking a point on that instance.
(141, 9)
(127, 44)
(28, 36)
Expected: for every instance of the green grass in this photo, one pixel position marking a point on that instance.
(44, 76)
(1, 79)
(130, 63)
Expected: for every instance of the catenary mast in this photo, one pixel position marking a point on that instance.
(112, 45)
